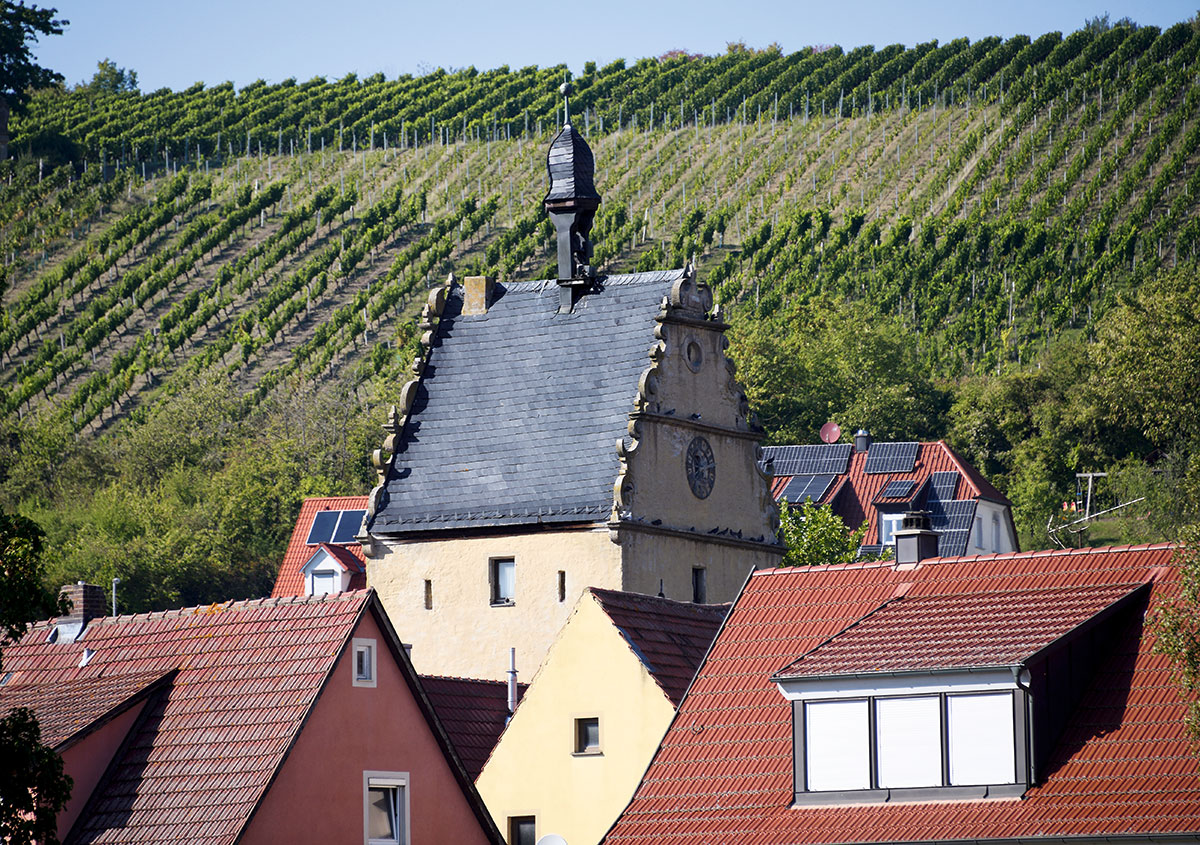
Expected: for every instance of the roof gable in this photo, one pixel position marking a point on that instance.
(669, 637)
(1121, 767)
(518, 409)
(340, 558)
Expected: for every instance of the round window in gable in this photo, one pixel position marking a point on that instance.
(694, 356)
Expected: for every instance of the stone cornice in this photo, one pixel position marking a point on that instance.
(615, 526)
(696, 425)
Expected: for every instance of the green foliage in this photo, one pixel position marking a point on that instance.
(110, 79)
(20, 26)
(814, 535)
(33, 788)
(827, 360)
(1176, 625)
(22, 595)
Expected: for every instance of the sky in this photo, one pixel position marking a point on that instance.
(175, 44)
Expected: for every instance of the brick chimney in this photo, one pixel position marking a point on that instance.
(477, 294)
(87, 603)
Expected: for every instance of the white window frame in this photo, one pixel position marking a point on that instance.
(495, 598)
(979, 532)
(358, 646)
(377, 780)
(892, 522)
(321, 574)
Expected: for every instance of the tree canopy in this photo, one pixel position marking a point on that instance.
(20, 26)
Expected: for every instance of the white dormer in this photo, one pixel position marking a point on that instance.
(325, 573)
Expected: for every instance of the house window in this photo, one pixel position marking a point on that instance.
(979, 532)
(873, 746)
(428, 594)
(995, 533)
(385, 811)
(364, 662)
(587, 735)
(562, 585)
(699, 585)
(503, 577)
(324, 582)
(889, 524)
(522, 830)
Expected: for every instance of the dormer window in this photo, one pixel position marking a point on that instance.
(945, 697)
(889, 524)
(329, 570)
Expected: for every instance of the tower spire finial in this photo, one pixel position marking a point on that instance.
(571, 202)
(566, 90)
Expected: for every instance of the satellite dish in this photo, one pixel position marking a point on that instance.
(830, 432)
(552, 839)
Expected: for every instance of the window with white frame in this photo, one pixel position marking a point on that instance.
(979, 532)
(385, 808)
(889, 524)
(503, 578)
(996, 533)
(324, 582)
(364, 662)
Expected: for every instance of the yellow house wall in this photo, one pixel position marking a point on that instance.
(589, 672)
(464, 635)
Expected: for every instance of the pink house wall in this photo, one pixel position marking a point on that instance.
(318, 794)
(86, 760)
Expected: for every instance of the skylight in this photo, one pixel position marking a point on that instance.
(337, 527)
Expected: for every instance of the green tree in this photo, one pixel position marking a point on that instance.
(110, 79)
(814, 535)
(20, 26)
(33, 788)
(1177, 625)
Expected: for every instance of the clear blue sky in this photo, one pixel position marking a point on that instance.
(176, 43)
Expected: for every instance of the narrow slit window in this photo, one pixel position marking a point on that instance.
(562, 585)
(428, 594)
(699, 585)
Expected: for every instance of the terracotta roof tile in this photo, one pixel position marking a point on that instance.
(207, 744)
(669, 637)
(1122, 766)
(473, 712)
(289, 581)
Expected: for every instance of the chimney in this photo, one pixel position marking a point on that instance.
(477, 294)
(87, 603)
(862, 440)
(915, 540)
(512, 683)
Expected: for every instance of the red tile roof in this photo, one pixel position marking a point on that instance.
(669, 637)
(68, 710)
(207, 746)
(473, 712)
(974, 630)
(1123, 765)
(289, 581)
(853, 492)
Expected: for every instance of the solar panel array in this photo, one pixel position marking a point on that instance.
(803, 487)
(891, 457)
(945, 485)
(335, 527)
(952, 516)
(952, 543)
(898, 489)
(811, 459)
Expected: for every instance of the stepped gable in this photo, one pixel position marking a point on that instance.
(669, 637)
(517, 410)
(1122, 767)
(473, 712)
(290, 581)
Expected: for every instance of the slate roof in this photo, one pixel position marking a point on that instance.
(68, 710)
(519, 408)
(289, 581)
(473, 712)
(571, 168)
(669, 637)
(1123, 765)
(208, 744)
(854, 493)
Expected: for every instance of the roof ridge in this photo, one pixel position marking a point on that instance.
(225, 606)
(424, 677)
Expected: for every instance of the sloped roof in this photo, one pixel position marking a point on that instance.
(969, 631)
(289, 581)
(473, 712)
(669, 637)
(67, 710)
(344, 558)
(519, 408)
(1122, 766)
(854, 492)
(207, 746)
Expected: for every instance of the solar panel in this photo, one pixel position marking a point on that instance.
(810, 459)
(945, 485)
(803, 487)
(952, 516)
(348, 526)
(952, 543)
(322, 527)
(891, 457)
(898, 489)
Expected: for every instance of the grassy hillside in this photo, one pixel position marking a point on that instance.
(981, 200)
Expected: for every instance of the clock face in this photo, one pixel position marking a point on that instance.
(701, 467)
